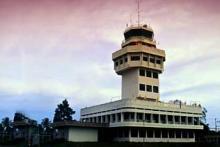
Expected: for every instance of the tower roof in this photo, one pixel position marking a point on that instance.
(139, 31)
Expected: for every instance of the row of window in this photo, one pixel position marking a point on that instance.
(138, 58)
(147, 73)
(152, 133)
(148, 88)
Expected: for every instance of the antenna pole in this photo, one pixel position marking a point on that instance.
(138, 2)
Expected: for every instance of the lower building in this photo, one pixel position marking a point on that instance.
(74, 131)
(137, 120)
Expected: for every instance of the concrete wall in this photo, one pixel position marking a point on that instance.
(130, 84)
(83, 134)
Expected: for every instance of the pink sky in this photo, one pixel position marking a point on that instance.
(49, 49)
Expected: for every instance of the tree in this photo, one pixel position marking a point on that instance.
(19, 117)
(63, 112)
(46, 125)
(6, 125)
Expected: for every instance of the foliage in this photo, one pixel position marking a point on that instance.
(63, 112)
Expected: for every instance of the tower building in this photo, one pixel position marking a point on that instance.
(139, 63)
(140, 115)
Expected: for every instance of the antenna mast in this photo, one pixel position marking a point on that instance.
(138, 10)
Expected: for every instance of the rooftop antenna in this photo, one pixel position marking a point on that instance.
(138, 11)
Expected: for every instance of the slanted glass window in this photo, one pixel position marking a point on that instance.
(152, 60)
(141, 87)
(121, 61)
(135, 58)
(142, 72)
(158, 61)
(155, 75)
(148, 74)
(155, 89)
(149, 88)
(116, 63)
(145, 58)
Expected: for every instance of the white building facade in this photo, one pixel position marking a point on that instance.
(140, 116)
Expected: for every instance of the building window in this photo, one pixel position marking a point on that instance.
(116, 63)
(149, 88)
(158, 61)
(134, 132)
(142, 72)
(135, 58)
(145, 58)
(148, 74)
(126, 59)
(152, 60)
(155, 89)
(142, 87)
(121, 61)
(150, 133)
(155, 75)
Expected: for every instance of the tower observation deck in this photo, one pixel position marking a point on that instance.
(139, 62)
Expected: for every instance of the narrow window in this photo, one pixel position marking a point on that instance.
(158, 61)
(116, 63)
(152, 60)
(155, 75)
(148, 74)
(141, 87)
(149, 88)
(145, 58)
(155, 89)
(142, 72)
(121, 61)
(135, 58)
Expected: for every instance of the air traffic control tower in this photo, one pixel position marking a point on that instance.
(140, 115)
(139, 62)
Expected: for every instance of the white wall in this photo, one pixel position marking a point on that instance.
(83, 134)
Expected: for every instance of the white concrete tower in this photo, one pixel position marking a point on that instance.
(139, 62)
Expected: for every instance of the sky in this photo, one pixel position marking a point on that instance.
(56, 49)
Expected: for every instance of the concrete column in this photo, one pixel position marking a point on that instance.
(166, 118)
(193, 120)
(143, 116)
(187, 120)
(151, 118)
(135, 116)
(106, 118)
(138, 135)
(153, 133)
(174, 122)
(180, 119)
(102, 119)
(111, 119)
(122, 117)
(116, 117)
(174, 134)
(129, 133)
(168, 135)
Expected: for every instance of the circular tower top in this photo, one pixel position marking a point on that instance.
(139, 33)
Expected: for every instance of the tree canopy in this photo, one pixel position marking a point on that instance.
(63, 112)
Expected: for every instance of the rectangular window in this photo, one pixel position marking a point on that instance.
(142, 72)
(155, 89)
(145, 58)
(155, 75)
(141, 87)
(149, 88)
(126, 59)
(148, 74)
(121, 61)
(152, 60)
(135, 58)
(158, 61)
(116, 63)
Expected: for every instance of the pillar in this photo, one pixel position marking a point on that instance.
(122, 117)
(135, 116)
